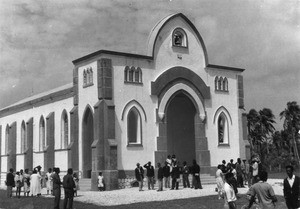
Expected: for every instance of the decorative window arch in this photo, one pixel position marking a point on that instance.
(42, 134)
(179, 38)
(64, 130)
(23, 138)
(6, 139)
(134, 127)
(220, 83)
(222, 129)
(135, 117)
(90, 79)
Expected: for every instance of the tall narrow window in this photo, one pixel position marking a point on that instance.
(126, 72)
(131, 71)
(6, 139)
(84, 78)
(220, 82)
(23, 138)
(134, 127)
(64, 130)
(90, 76)
(42, 134)
(222, 129)
(225, 84)
(216, 82)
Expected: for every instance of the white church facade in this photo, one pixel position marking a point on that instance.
(126, 108)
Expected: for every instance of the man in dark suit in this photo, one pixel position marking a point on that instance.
(10, 182)
(291, 189)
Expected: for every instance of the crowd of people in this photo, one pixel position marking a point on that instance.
(31, 183)
(231, 176)
(169, 174)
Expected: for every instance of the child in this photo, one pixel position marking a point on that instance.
(100, 182)
(49, 181)
(18, 181)
(76, 180)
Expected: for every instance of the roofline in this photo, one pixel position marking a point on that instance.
(46, 99)
(224, 68)
(97, 53)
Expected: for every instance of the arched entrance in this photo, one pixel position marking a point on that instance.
(180, 118)
(87, 140)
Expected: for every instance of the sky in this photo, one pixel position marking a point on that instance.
(40, 39)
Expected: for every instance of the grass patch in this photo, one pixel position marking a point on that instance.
(208, 202)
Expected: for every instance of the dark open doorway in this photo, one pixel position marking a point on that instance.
(87, 140)
(181, 128)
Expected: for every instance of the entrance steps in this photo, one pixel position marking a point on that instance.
(207, 179)
(85, 184)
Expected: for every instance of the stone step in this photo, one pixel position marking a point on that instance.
(85, 184)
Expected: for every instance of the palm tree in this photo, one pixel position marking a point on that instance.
(291, 116)
(252, 120)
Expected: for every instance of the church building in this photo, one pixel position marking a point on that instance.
(124, 108)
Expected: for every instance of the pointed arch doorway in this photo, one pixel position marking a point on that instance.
(180, 118)
(87, 140)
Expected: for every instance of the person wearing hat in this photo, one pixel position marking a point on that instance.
(139, 175)
(150, 175)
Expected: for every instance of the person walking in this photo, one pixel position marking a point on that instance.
(229, 193)
(69, 186)
(263, 191)
(185, 175)
(239, 173)
(10, 182)
(139, 175)
(166, 173)
(291, 188)
(150, 175)
(56, 187)
(196, 175)
(160, 177)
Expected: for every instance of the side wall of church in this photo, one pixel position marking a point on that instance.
(36, 113)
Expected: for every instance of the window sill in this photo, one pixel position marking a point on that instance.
(134, 145)
(62, 149)
(221, 91)
(87, 85)
(223, 145)
(39, 152)
(134, 83)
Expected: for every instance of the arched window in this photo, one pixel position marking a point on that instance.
(84, 78)
(131, 71)
(222, 129)
(42, 134)
(137, 76)
(225, 84)
(126, 72)
(64, 130)
(134, 128)
(23, 138)
(6, 139)
(216, 82)
(90, 76)
(179, 38)
(220, 82)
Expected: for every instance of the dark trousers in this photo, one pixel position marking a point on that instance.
(56, 193)
(197, 182)
(175, 183)
(240, 180)
(69, 195)
(186, 181)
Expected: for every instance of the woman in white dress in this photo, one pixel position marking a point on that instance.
(35, 183)
(49, 183)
